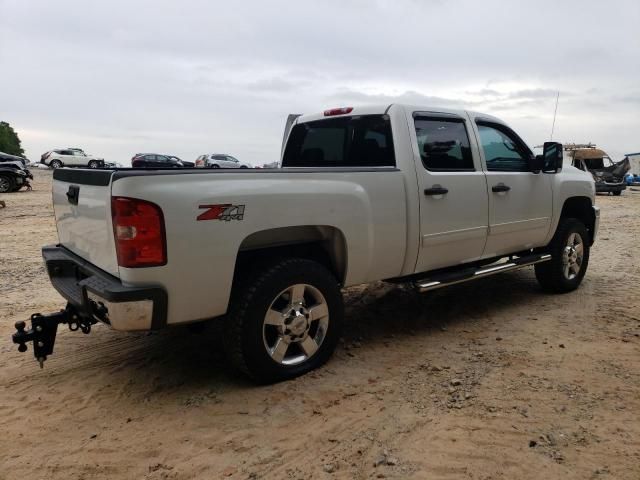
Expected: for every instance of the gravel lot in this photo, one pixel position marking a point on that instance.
(485, 380)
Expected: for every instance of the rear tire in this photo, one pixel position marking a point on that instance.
(56, 164)
(284, 320)
(214, 166)
(7, 184)
(94, 164)
(569, 251)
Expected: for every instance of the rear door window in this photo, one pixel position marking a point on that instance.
(443, 144)
(359, 141)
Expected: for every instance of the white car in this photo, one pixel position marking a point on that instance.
(70, 157)
(420, 195)
(220, 160)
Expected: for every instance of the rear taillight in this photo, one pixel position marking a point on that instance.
(138, 228)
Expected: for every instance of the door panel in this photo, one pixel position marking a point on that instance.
(453, 192)
(71, 159)
(520, 201)
(520, 218)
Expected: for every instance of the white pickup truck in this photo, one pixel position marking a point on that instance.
(399, 193)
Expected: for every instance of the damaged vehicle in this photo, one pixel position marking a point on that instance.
(13, 174)
(609, 176)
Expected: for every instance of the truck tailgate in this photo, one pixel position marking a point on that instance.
(82, 206)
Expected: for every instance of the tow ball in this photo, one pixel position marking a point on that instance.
(44, 328)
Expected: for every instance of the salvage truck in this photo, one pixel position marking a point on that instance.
(425, 196)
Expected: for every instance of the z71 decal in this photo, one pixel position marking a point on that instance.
(226, 212)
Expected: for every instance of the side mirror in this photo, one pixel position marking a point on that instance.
(552, 157)
(536, 163)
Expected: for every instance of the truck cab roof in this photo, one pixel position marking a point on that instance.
(382, 109)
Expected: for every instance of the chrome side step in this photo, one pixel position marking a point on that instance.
(466, 274)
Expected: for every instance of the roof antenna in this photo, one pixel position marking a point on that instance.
(553, 126)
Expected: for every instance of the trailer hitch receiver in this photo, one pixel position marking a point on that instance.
(44, 328)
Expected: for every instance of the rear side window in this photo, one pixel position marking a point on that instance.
(360, 141)
(443, 144)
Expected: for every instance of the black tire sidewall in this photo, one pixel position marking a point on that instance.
(56, 164)
(554, 268)
(260, 294)
(12, 183)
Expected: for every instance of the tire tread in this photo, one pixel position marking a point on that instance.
(245, 289)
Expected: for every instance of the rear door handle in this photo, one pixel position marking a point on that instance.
(500, 188)
(435, 190)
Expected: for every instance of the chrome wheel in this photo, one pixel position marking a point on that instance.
(572, 256)
(295, 324)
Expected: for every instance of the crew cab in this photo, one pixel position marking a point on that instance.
(400, 193)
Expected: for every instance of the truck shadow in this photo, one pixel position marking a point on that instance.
(180, 360)
(374, 314)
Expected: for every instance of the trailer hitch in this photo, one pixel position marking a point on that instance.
(44, 328)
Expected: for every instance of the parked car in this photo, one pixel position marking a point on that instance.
(220, 160)
(185, 163)
(13, 173)
(5, 157)
(155, 160)
(70, 157)
(425, 196)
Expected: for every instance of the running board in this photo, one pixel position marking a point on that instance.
(451, 278)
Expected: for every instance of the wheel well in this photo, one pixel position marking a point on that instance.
(323, 244)
(580, 208)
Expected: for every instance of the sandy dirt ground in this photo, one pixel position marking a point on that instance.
(485, 380)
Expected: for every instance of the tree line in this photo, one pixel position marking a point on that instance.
(9, 140)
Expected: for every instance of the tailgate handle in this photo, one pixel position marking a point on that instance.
(73, 193)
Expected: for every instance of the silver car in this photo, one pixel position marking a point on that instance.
(220, 160)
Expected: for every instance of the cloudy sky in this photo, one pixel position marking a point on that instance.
(191, 77)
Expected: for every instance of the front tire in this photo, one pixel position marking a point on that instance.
(7, 184)
(56, 164)
(617, 193)
(284, 320)
(94, 164)
(569, 251)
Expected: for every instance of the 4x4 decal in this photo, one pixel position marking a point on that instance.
(225, 212)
